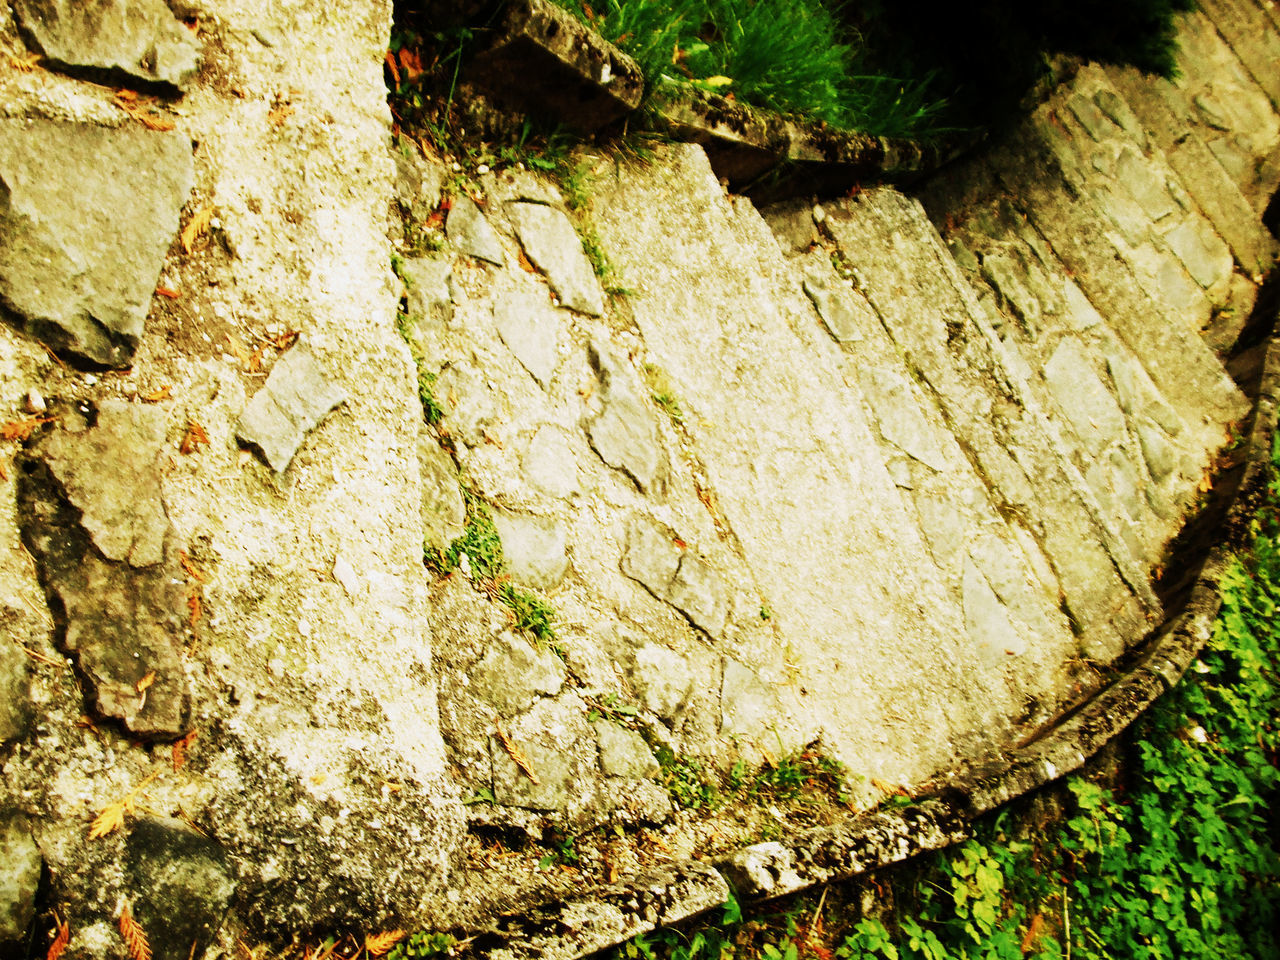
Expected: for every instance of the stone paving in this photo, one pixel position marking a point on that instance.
(889, 476)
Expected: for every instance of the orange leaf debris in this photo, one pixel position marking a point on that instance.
(147, 680)
(390, 60)
(180, 749)
(60, 941)
(192, 571)
(195, 436)
(110, 818)
(381, 943)
(155, 396)
(169, 292)
(196, 228)
(194, 607)
(22, 429)
(135, 938)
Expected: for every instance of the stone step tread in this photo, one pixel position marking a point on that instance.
(1255, 39)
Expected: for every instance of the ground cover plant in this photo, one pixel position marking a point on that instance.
(1172, 854)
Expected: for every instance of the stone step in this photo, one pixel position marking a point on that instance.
(1253, 36)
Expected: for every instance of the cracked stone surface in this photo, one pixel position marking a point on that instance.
(513, 674)
(444, 512)
(623, 432)
(117, 41)
(679, 577)
(836, 304)
(471, 234)
(108, 559)
(533, 547)
(20, 877)
(529, 327)
(16, 709)
(295, 398)
(80, 254)
(553, 245)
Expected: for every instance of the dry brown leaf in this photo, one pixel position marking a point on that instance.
(129, 96)
(148, 118)
(169, 292)
(135, 938)
(190, 567)
(180, 750)
(195, 436)
(381, 943)
(155, 396)
(147, 680)
(196, 228)
(22, 429)
(390, 61)
(59, 942)
(25, 64)
(514, 753)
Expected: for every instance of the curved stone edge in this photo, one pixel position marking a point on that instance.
(605, 916)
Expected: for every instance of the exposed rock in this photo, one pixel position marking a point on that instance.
(80, 253)
(549, 463)
(837, 305)
(533, 547)
(623, 432)
(662, 679)
(471, 234)
(1087, 404)
(1156, 450)
(418, 182)
(444, 512)
(189, 884)
(112, 576)
(898, 416)
(512, 674)
(747, 707)
(651, 556)
(792, 223)
(560, 749)
(115, 41)
(623, 752)
(15, 690)
(530, 328)
(553, 245)
(761, 870)
(697, 591)
(430, 298)
(294, 399)
(987, 621)
(19, 878)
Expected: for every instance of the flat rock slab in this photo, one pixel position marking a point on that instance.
(680, 578)
(471, 233)
(553, 245)
(546, 61)
(623, 432)
(137, 42)
(294, 399)
(80, 253)
(15, 693)
(189, 883)
(120, 610)
(530, 328)
(19, 879)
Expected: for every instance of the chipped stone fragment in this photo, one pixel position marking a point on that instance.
(111, 575)
(623, 752)
(761, 870)
(650, 556)
(512, 674)
(533, 547)
(698, 592)
(418, 182)
(681, 578)
(987, 621)
(294, 399)
(747, 707)
(553, 245)
(444, 512)
(836, 305)
(429, 295)
(559, 747)
(80, 253)
(623, 433)
(530, 329)
(121, 41)
(189, 885)
(471, 234)
(19, 878)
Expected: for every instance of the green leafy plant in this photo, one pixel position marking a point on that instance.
(424, 946)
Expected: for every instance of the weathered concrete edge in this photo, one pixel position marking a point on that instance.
(604, 916)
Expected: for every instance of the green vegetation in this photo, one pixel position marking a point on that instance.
(807, 775)
(482, 546)
(794, 56)
(424, 946)
(1173, 857)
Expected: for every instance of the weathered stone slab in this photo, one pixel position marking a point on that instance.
(530, 329)
(290, 404)
(444, 513)
(135, 42)
(533, 547)
(623, 752)
(120, 615)
(546, 61)
(430, 298)
(19, 878)
(189, 882)
(15, 692)
(662, 678)
(679, 577)
(471, 234)
(837, 305)
(554, 247)
(512, 674)
(623, 433)
(561, 752)
(80, 253)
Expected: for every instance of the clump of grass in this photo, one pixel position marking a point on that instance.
(794, 56)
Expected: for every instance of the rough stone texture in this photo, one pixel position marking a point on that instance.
(623, 752)
(80, 254)
(836, 305)
(675, 575)
(529, 326)
(429, 296)
(22, 863)
(471, 233)
(107, 556)
(553, 245)
(444, 512)
(512, 674)
(533, 547)
(16, 710)
(544, 59)
(293, 401)
(189, 883)
(623, 433)
(662, 678)
(139, 41)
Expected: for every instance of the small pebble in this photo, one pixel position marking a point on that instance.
(35, 402)
(482, 169)
(818, 214)
(90, 380)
